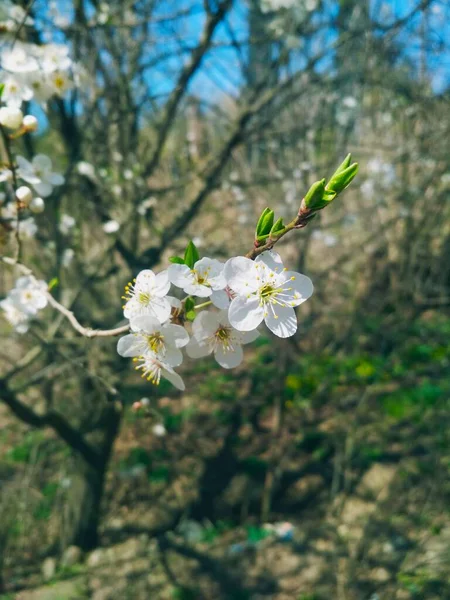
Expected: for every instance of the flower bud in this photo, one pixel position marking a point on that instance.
(30, 123)
(11, 117)
(24, 194)
(37, 205)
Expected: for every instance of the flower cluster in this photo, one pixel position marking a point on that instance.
(31, 72)
(246, 292)
(24, 301)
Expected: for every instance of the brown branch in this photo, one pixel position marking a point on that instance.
(51, 419)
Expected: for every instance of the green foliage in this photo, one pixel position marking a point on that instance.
(278, 227)
(191, 255)
(177, 260)
(264, 225)
(23, 452)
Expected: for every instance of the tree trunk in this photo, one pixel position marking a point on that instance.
(84, 510)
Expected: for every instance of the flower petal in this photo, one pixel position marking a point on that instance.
(174, 378)
(180, 275)
(197, 350)
(56, 179)
(272, 259)
(42, 162)
(240, 274)
(160, 308)
(245, 313)
(220, 299)
(173, 357)
(131, 345)
(246, 337)
(205, 324)
(175, 335)
(197, 289)
(283, 323)
(43, 188)
(228, 359)
(161, 284)
(301, 287)
(145, 323)
(144, 280)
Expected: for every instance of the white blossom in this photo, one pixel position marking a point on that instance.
(11, 117)
(24, 194)
(159, 430)
(29, 295)
(111, 226)
(148, 335)
(203, 280)
(153, 368)
(37, 205)
(265, 291)
(67, 257)
(14, 315)
(39, 174)
(213, 333)
(147, 295)
(30, 123)
(28, 228)
(66, 223)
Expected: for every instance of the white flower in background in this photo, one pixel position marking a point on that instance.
(66, 224)
(14, 315)
(148, 335)
(30, 123)
(265, 291)
(213, 333)
(55, 57)
(24, 195)
(29, 295)
(37, 205)
(28, 228)
(86, 169)
(39, 174)
(128, 174)
(61, 82)
(12, 16)
(204, 280)
(153, 368)
(16, 91)
(111, 226)
(5, 175)
(159, 430)
(147, 295)
(368, 188)
(11, 117)
(20, 59)
(67, 257)
(349, 102)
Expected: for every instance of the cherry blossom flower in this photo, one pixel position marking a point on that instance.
(39, 174)
(154, 367)
(29, 295)
(203, 280)
(265, 291)
(159, 430)
(66, 223)
(11, 117)
(14, 315)
(213, 333)
(147, 295)
(148, 335)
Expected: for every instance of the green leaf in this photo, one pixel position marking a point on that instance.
(278, 227)
(191, 255)
(189, 304)
(344, 165)
(2, 87)
(265, 223)
(314, 197)
(176, 260)
(341, 180)
(53, 283)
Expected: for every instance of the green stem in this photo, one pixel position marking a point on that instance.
(203, 304)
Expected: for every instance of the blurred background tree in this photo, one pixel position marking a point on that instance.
(191, 117)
